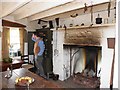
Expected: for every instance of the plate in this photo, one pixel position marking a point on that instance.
(24, 81)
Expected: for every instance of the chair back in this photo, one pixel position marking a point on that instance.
(25, 58)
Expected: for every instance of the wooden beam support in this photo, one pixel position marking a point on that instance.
(11, 24)
(38, 7)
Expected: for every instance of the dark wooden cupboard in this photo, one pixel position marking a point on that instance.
(48, 62)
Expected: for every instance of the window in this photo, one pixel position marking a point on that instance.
(14, 42)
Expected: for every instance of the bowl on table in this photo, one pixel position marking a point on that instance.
(24, 81)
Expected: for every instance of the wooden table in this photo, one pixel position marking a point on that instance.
(15, 64)
(38, 83)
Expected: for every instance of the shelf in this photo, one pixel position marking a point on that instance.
(80, 45)
(82, 27)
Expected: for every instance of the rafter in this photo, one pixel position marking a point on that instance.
(14, 7)
(38, 7)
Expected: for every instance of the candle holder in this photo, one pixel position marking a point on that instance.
(9, 72)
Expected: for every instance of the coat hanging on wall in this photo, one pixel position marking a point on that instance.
(57, 21)
(85, 8)
(50, 24)
(91, 11)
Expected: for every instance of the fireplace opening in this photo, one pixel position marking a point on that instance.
(91, 61)
(88, 77)
(83, 64)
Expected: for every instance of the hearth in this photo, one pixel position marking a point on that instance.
(89, 75)
(88, 82)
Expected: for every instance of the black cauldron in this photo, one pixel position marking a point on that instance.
(98, 20)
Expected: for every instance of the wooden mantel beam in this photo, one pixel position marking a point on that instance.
(11, 24)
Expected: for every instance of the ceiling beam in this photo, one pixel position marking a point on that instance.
(58, 10)
(11, 24)
(14, 8)
(38, 7)
(52, 11)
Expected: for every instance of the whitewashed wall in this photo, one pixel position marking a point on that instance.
(107, 56)
(86, 19)
(58, 62)
(66, 56)
(117, 51)
(78, 58)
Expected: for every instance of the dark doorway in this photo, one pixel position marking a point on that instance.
(30, 44)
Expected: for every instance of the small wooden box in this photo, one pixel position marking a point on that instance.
(111, 43)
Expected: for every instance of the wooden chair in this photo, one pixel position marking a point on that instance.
(27, 64)
(25, 58)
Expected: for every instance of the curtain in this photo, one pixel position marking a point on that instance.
(21, 30)
(5, 42)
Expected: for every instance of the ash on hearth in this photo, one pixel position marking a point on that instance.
(89, 72)
(88, 82)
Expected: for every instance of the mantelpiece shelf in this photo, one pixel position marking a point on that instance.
(81, 45)
(82, 27)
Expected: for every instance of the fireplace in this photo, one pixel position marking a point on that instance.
(89, 57)
(89, 66)
(88, 39)
(71, 57)
(88, 77)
